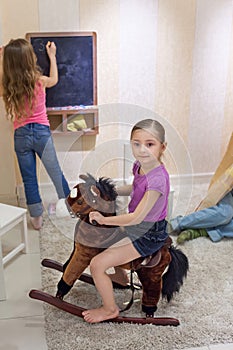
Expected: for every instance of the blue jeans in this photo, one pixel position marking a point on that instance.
(217, 220)
(31, 140)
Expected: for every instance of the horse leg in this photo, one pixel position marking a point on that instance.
(67, 262)
(151, 280)
(78, 262)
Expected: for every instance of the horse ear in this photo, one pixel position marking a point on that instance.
(95, 191)
(74, 192)
(83, 177)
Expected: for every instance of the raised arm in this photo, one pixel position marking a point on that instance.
(52, 79)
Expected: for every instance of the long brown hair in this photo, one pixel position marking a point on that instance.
(20, 74)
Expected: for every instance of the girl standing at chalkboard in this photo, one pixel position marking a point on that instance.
(22, 86)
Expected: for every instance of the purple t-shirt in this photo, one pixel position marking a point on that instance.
(156, 180)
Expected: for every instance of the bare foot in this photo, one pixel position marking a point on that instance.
(37, 222)
(99, 315)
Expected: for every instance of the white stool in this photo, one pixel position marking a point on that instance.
(11, 216)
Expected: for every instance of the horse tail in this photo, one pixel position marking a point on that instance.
(174, 276)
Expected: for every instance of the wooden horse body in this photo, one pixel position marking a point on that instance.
(90, 240)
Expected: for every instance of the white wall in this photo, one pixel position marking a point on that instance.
(168, 59)
(58, 15)
(209, 82)
(137, 52)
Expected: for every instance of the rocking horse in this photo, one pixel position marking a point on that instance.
(160, 274)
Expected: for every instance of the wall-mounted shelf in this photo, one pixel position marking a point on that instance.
(70, 121)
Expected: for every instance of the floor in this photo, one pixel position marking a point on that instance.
(21, 318)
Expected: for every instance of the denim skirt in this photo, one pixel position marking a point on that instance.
(147, 237)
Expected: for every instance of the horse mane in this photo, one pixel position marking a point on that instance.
(105, 185)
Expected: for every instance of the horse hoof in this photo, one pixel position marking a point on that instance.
(59, 295)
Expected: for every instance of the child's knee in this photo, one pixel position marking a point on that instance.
(95, 264)
(98, 265)
(225, 207)
(226, 213)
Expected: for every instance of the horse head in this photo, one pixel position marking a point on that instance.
(92, 195)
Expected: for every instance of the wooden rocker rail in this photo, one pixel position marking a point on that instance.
(77, 311)
(52, 264)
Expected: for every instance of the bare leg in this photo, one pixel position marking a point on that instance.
(113, 256)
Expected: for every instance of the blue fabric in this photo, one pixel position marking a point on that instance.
(30, 140)
(147, 237)
(217, 220)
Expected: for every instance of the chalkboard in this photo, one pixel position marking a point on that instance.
(76, 61)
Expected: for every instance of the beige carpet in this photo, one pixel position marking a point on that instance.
(204, 305)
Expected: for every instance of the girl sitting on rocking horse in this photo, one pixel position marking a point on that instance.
(144, 224)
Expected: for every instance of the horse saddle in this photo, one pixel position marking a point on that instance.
(151, 260)
(148, 262)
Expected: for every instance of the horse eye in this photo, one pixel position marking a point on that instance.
(79, 201)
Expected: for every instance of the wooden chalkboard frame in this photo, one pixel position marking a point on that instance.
(53, 35)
